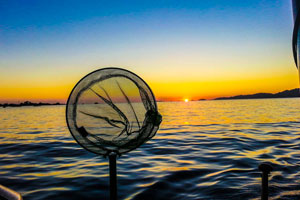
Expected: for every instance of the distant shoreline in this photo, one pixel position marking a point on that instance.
(28, 103)
(294, 93)
(284, 94)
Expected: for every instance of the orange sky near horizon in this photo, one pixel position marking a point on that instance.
(57, 89)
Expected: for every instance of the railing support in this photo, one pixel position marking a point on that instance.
(113, 175)
(265, 169)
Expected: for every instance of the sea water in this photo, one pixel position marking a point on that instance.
(203, 150)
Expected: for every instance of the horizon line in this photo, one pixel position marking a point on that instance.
(64, 101)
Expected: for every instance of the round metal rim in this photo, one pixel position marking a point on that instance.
(106, 68)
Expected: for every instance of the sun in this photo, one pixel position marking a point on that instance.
(186, 100)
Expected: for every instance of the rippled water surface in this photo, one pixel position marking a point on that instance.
(203, 150)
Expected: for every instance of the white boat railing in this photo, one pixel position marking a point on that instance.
(8, 194)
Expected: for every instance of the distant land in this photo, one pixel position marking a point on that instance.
(284, 94)
(27, 103)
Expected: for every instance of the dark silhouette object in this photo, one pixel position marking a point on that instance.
(295, 39)
(112, 111)
(113, 176)
(124, 117)
(265, 169)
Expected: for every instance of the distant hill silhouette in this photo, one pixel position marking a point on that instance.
(284, 94)
(27, 103)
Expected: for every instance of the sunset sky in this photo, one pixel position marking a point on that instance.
(182, 49)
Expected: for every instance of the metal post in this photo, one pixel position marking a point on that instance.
(265, 169)
(113, 175)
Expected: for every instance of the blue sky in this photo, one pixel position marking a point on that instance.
(54, 43)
